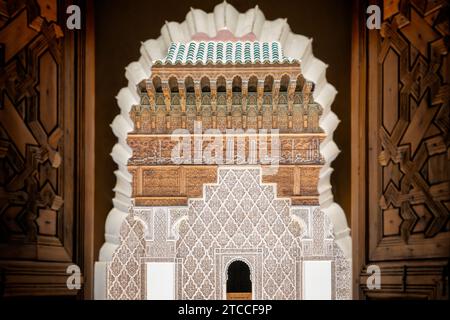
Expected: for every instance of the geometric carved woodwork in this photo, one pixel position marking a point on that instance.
(409, 150)
(414, 128)
(37, 150)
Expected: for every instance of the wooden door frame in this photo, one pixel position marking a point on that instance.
(84, 57)
(358, 140)
(86, 149)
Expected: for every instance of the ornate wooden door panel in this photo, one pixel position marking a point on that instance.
(408, 195)
(37, 148)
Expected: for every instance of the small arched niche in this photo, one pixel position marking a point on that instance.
(239, 283)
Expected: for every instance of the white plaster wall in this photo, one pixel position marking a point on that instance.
(160, 281)
(317, 280)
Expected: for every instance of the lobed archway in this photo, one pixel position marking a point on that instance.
(224, 23)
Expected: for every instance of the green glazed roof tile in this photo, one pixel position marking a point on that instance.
(218, 52)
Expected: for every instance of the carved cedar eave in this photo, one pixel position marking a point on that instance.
(277, 71)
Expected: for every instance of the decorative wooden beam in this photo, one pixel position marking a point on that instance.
(151, 97)
(275, 96)
(291, 93)
(229, 92)
(198, 99)
(166, 92)
(167, 101)
(244, 90)
(213, 84)
(150, 92)
(260, 92)
(297, 179)
(138, 177)
(182, 92)
(182, 180)
(307, 91)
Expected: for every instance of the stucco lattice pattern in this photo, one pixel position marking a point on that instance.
(343, 275)
(124, 272)
(238, 218)
(239, 212)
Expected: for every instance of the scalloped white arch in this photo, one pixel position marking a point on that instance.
(224, 16)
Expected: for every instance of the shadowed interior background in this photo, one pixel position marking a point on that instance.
(121, 26)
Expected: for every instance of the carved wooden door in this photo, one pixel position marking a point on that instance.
(407, 230)
(38, 139)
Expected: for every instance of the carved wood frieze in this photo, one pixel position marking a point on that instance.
(173, 185)
(285, 111)
(233, 149)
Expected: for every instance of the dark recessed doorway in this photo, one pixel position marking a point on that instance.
(239, 285)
